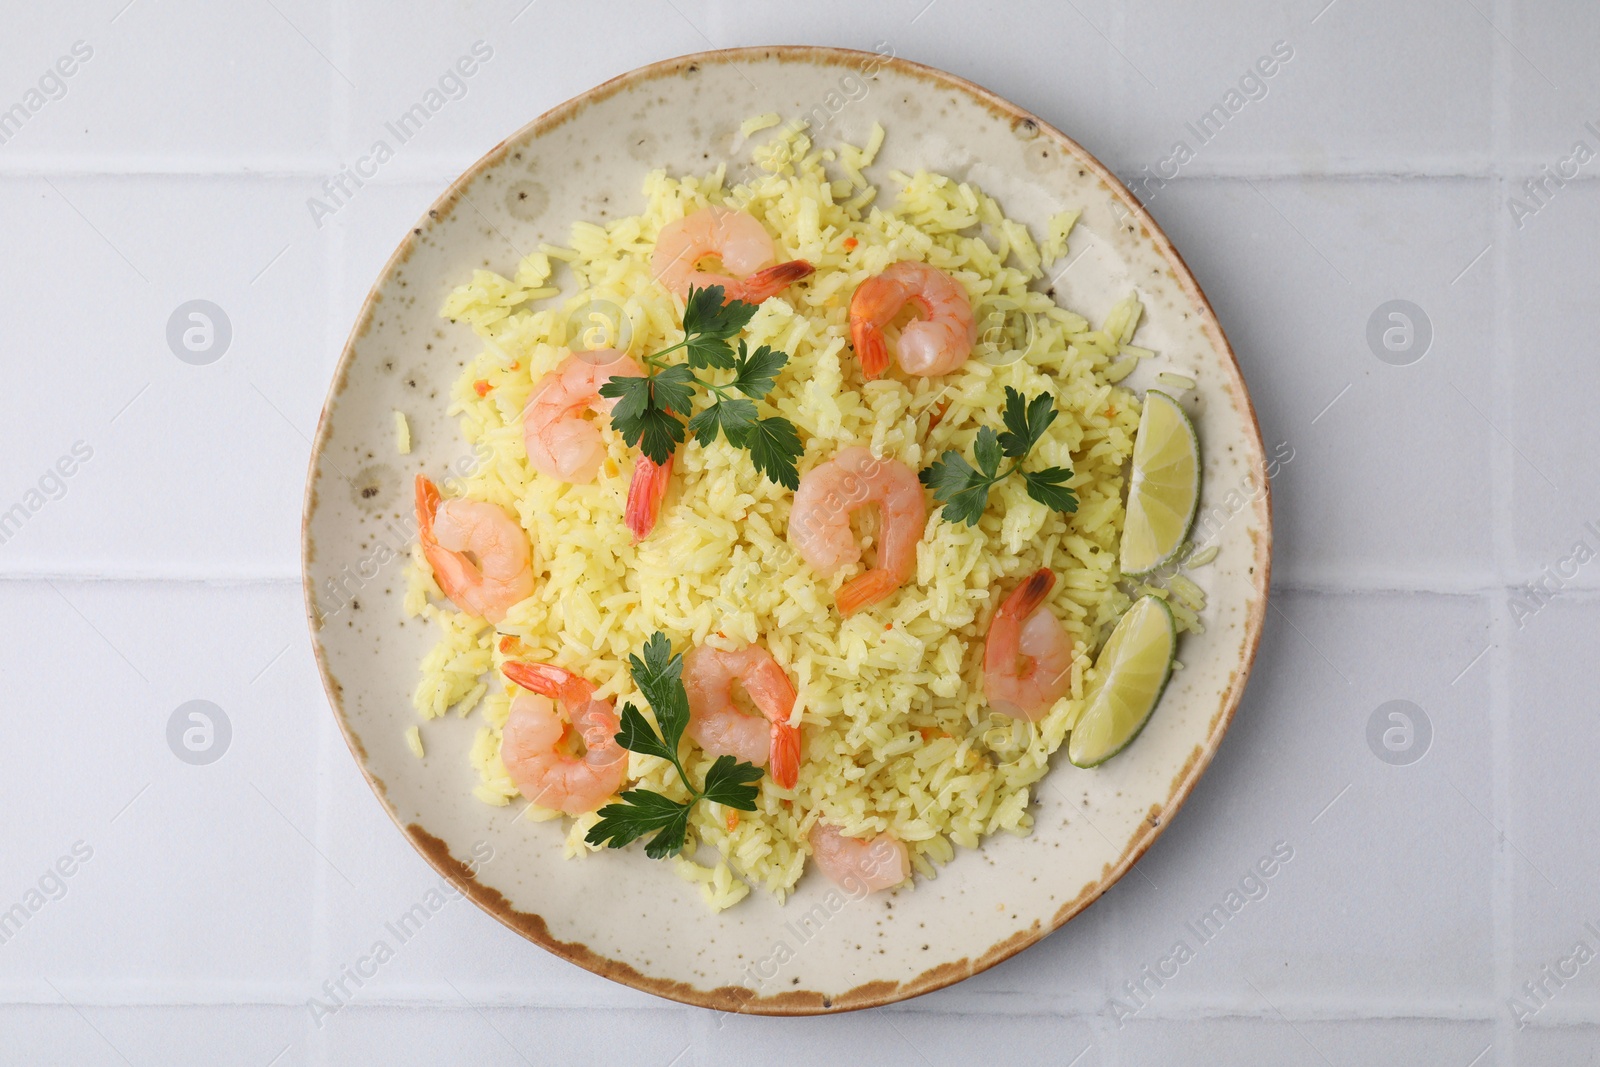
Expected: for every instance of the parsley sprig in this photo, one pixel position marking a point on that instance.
(649, 410)
(659, 676)
(964, 492)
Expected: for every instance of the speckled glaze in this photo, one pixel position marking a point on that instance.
(620, 914)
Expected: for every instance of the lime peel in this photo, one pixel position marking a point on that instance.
(1130, 675)
(1164, 491)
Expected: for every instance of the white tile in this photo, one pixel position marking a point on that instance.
(1552, 83)
(1555, 486)
(201, 1036)
(1273, 1041)
(40, 1033)
(461, 948)
(1084, 95)
(195, 470)
(1389, 480)
(479, 1034)
(365, 233)
(1387, 896)
(197, 881)
(1187, 61)
(1570, 1046)
(181, 85)
(905, 1034)
(398, 69)
(1553, 849)
(515, 74)
(1366, 87)
(35, 31)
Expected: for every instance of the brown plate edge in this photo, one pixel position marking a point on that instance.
(738, 999)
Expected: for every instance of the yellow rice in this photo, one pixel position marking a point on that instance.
(897, 735)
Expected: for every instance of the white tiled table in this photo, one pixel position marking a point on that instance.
(1379, 165)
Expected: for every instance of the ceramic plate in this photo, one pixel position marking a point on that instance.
(620, 914)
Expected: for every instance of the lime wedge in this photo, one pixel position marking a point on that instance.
(1165, 489)
(1129, 676)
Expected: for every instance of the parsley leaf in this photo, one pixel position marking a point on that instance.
(638, 736)
(964, 491)
(673, 390)
(632, 396)
(709, 352)
(1025, 423)
(705, 313)
(642, 812)
(728, 783)
(950, 474)
(986, 450)
(1049, 488)
(657, 433)
(756, 372)
(648, 409)
(733, 417)
(659, 675)
(775, 448)
(670, 840)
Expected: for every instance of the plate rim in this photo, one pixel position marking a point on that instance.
(741, 999)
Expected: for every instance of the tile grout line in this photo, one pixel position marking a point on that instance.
(1115, 945)
(1503, 466)
(1219, 1011)
(1318, 1008)
(332, 255)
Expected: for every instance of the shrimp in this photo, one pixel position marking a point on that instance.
(721, 729)
(480, 556)
(819, 522)
(529, 743)
(849, 862)
(1027, 658)
(739, 240)
(559, 440)
(937, 343)
(645, 494)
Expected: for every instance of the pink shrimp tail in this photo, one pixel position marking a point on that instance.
(785, 755)
(440, 562)
(548, 680)
(871, 349)
(1026, 598)
(872, 305)
(769, 282)
(645, 495)
(869, 588)
(427, 505)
